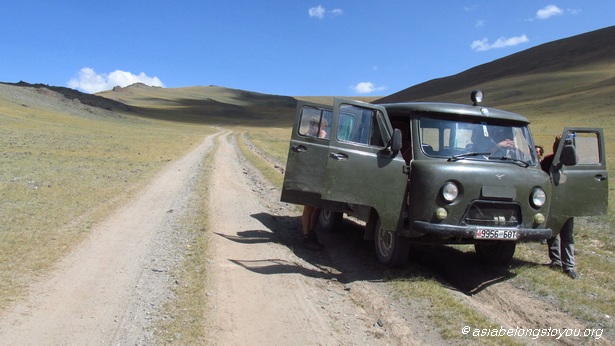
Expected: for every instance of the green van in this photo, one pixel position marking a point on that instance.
(441, 173)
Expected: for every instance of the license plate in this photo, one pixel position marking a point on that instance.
(501, 234)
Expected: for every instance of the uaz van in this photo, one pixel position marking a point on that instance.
(441, 173)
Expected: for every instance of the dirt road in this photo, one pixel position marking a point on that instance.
(263, 287)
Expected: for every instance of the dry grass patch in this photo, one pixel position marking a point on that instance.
(590, 298)
(273, 141)
(62, 173)
(265, 167)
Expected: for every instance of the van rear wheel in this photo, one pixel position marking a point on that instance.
(392, 249)
(498, 254)
(329, 221)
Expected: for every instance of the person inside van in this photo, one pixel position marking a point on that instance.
(504, 139)
(317, 127)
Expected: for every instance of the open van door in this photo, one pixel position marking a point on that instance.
(364, 166)
(579, 176)
(304, 176)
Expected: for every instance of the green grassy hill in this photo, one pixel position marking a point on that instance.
(536, 73)
(204, 104)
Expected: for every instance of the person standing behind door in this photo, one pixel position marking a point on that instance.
(561, 246)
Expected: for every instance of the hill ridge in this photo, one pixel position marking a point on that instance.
(584, 49)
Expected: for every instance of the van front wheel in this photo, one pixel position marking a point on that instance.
(499, 254)
(392, 249)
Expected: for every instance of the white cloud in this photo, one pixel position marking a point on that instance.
(89, 81)
(548, 12)
(502, 42)
(320, 12)
(480, 23)
(366, 88)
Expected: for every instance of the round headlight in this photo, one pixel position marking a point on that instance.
(538, 198)
(450, 191)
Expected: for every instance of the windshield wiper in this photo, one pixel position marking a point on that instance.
(464, 155)
(488, 156)
(521, 163)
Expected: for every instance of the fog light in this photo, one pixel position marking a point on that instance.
(539, 218)
(441, 213)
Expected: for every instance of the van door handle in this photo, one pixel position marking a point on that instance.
(338, 156)
(298, 148)
(600, 177)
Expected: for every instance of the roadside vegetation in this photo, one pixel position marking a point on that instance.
(61, 173)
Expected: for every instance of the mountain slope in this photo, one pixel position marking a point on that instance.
(210, 104)
(592, 52)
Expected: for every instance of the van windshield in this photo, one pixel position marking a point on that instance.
(476, 140)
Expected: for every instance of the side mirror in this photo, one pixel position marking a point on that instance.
(569, 155)
(396, 141)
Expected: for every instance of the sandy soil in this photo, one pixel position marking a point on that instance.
(263, 287)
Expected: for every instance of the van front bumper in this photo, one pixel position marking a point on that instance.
(448, 231)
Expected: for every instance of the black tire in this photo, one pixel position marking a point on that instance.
(392, 249)
(329, 221)
(499, 254)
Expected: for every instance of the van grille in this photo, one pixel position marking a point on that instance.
(497, 214)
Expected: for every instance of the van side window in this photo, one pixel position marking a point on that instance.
(587, 147)
(359, 125)
(315, 122)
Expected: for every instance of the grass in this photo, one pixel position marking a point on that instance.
(272, 140)
(266, 168)
(60, 174)
(590, 298)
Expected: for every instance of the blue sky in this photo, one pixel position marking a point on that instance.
(283, 47)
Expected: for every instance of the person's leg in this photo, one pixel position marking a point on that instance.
(567, 246)
(553, 245)
(314, 219)
(306, 218)
(310, 214)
